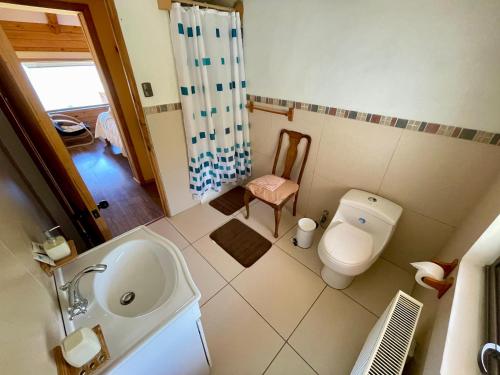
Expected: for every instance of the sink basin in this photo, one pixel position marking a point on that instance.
(145, 289)
(140, 278)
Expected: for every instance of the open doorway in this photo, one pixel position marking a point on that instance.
(77, 93)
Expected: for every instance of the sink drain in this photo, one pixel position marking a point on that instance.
(127, 298)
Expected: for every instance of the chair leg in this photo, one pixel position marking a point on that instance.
(277, 218)
(246, 198)
(295, 203)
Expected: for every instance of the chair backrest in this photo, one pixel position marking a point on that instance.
(291, 154)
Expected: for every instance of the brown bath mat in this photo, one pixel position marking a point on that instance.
(230, 202)
(241, 242)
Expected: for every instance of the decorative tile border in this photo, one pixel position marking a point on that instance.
(161, 108)
(419, 126)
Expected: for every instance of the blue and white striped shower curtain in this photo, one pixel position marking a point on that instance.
(208, 52)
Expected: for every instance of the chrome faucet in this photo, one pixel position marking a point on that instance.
(77, 303)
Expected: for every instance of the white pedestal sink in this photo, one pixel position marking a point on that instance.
(146, 303)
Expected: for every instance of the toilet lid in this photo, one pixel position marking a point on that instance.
(347, 244)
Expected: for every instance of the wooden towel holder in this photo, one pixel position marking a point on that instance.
(442, 286)
(289, 113)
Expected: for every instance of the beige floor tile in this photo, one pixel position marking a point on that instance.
(224, 263)
(308, 257)
(205, 277)
(333, 332)
(198, 221)
(242, 210)
(167, 230)
(239, 340)
(288, 362)
(262, 220)
(280, 289)
(375, 288)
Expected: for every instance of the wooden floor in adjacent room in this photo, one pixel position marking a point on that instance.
(107, 175)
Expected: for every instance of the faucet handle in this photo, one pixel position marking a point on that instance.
(65, 287)
(78, 308)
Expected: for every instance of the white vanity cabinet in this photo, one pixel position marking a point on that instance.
(156, 330)
(178, 349)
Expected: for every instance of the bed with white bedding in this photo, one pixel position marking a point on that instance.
(107, 129)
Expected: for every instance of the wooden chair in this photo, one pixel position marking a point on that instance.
(279, 197)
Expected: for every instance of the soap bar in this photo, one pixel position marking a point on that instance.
(57, 249)
(80, 347)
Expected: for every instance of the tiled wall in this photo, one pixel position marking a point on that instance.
(376, 119)
(422, 171)
(169, 142)
(436, 179)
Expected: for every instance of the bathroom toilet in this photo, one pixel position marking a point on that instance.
(356, 236)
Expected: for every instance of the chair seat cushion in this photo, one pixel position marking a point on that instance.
(259, 189)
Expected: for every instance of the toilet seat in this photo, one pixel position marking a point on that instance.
(346, 244)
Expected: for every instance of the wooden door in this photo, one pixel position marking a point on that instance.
(24, 110)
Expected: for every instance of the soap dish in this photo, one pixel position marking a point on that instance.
(63, 368)
(49, 270)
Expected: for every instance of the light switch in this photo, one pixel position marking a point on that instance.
(147, 89)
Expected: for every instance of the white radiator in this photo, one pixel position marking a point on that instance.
(388, 343)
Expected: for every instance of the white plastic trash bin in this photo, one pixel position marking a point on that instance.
(305, 233)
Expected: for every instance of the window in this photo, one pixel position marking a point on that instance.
(66, 84)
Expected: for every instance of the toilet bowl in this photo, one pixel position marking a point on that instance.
(356, 236)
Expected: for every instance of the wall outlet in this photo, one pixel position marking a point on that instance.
(324, 218)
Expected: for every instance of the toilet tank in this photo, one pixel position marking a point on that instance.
(371, 213)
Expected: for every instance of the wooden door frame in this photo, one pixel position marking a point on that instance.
(22, 107)
(88, 11)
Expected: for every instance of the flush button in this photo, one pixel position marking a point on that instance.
(362, 220)
(372, 199)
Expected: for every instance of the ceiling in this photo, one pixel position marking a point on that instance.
(10, 12)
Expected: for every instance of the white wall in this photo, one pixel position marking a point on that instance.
(348, 47)
(420, 60)
(147, 36)
(146, 30)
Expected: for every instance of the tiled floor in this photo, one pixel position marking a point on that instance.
(277, 316)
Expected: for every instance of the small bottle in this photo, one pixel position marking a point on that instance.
(55, 247)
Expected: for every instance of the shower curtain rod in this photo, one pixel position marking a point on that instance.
(167, 5)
